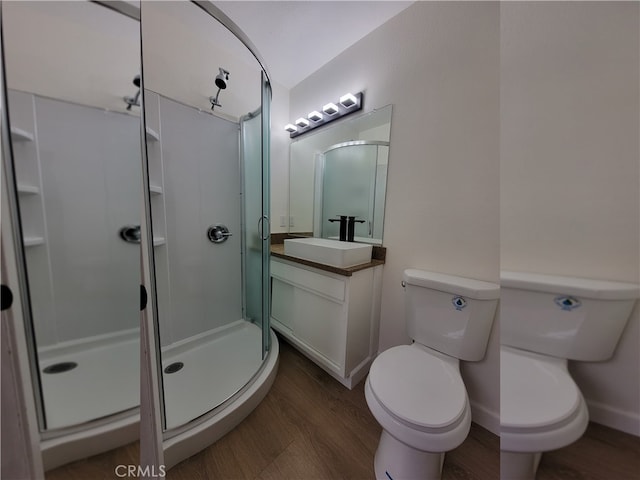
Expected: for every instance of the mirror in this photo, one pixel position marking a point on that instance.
(341, 170)
(203, 112)
(76, 159)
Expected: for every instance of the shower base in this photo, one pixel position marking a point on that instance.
(216, 365)
(105, 381)
(236, 381)
(93, 407)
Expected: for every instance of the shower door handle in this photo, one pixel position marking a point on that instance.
(260, 229)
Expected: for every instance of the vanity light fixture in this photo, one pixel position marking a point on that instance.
(348, 100)
(330, 109)
(315, 116)
(349, 103)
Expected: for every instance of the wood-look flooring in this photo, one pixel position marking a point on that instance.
(311, 427)
(602, 453)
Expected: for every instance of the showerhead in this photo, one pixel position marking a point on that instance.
(222, 78)
(136, 81)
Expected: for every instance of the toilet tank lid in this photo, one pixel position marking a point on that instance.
(467, 287)
(580, 287)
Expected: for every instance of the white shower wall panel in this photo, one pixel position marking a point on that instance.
(27, 172)
(90, 185)
(200, 162)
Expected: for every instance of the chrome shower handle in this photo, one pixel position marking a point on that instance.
(218, 233)
(260, 230)
(130, 233)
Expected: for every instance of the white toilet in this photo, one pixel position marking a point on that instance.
(545, 321)
(415, 391)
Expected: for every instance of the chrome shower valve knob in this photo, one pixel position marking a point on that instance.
(218, 233)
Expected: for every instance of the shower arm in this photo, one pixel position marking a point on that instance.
(214, 101)
(131, 101)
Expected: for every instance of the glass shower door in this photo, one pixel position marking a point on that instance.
(205, 184)
(266, 206)
(256, 243)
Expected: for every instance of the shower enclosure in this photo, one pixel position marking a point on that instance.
(211, 355)
(72, 165)
(353, 183)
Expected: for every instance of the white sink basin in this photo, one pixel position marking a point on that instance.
(328, 252)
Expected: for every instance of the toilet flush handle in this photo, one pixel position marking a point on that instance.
(403, 283)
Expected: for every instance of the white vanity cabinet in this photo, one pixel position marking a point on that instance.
(331, 318)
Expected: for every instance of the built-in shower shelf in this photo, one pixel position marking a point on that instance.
(152, 134)
(155, 189)
(157, 241)
(28, 189)
(20, 135)
(33, 241)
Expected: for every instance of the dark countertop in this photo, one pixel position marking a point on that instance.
(277, 250)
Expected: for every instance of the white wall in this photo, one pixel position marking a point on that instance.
(184, 63)
(569, 176)
(76, 51)
(279, 158)
(437, 63)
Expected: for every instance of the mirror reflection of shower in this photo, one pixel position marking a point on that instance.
(135, 100)
(76, 164)
(222, 79)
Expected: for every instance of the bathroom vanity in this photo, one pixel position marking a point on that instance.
(331, 314)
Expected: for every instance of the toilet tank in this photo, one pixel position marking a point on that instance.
(566, 317)
(450, 314)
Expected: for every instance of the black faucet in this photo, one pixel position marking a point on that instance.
(351, 227)
(343, 226)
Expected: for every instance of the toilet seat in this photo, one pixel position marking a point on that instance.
(420, 389)
(541, 407)
(418, 396)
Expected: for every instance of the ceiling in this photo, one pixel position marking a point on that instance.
(296, 38)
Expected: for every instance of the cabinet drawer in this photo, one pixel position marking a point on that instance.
(322, 284)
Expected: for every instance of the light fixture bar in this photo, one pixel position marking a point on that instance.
(349, 103)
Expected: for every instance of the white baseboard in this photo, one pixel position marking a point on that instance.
(485, 418)
(628, 422)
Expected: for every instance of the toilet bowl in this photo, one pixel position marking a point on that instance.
(541, 409)
(415, 392)
(418, 397)
(547, 320)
